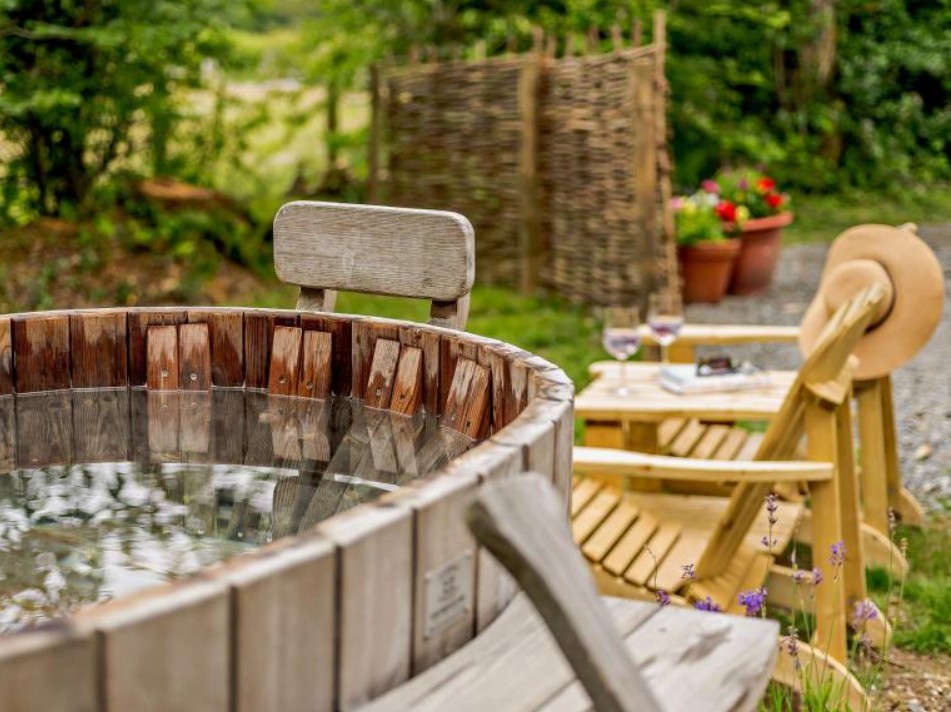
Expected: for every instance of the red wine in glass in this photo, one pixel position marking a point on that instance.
(665, 328)
(621, 343)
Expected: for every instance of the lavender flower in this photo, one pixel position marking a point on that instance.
(688, 573)
(791, 640)
(816, 576)
(837, 554)
(767, 542)
(771, 507)
(708, 604)
(863, 612)
(663, 598)
(753, 601)
(799, 576)
(791, 644)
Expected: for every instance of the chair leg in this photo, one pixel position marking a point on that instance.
(872, 436)
(899, 498)
(853, 571)
(831, 619)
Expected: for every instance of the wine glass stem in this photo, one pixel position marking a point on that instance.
(663, 353)
(623, 374)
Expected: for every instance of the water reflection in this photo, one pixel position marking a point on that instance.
(185, 481)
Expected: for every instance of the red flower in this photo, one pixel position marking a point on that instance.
(726, 211)
(765, 184)
(774, 200)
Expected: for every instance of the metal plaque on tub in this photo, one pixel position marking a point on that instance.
(448, 594)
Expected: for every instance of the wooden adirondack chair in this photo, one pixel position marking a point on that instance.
(638, 542)
(881, 484)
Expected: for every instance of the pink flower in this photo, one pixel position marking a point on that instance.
(676, 203)
(710, 186)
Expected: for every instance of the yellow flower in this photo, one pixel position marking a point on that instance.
(742, 214)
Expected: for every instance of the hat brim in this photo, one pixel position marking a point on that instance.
(915, 312)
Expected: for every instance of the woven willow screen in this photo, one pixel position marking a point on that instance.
(560, 164)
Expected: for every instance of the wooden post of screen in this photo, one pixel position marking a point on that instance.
(529, 229)
(668, 269)
(373, 160)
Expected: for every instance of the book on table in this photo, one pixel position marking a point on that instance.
(683, 379)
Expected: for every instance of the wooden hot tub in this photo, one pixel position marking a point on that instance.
(327, 618)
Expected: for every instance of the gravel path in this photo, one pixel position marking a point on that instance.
(922, 387)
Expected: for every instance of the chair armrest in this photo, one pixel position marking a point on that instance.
(728, 334)
(608, 461)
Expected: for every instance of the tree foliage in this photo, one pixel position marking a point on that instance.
(829, 93)
(87, 86)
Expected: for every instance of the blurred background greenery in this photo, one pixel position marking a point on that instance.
(146, 144)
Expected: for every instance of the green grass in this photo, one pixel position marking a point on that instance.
(565, 334)
(819, 218)
(925, 623)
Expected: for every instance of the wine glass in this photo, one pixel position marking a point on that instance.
(621, 338)
(665, 317)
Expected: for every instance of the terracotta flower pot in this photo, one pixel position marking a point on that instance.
(706, 269)
(761, 241)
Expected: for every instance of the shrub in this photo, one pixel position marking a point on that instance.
(86, 86)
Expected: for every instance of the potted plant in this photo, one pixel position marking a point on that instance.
(752, 208)
(705, 252)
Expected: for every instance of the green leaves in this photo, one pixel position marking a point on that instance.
(86, 85)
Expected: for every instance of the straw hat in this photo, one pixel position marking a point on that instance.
(914, 294)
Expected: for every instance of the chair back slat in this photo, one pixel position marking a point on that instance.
(522, 523)
(399, 252)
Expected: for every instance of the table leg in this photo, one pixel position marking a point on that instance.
(642, 437)
(605, 433)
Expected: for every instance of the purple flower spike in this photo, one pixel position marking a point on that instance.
(771, 506)
(791, 642)
(663, 598)
(688, 573)
(799, 576)
(863, 612)
(816, 576)
(708, 604)
(837, 554)
(753, 601)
